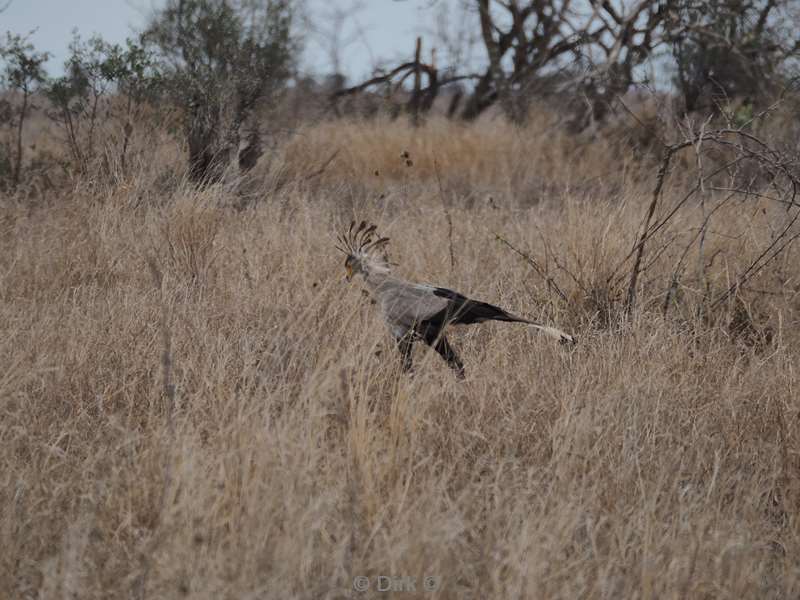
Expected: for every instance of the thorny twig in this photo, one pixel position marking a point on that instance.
(535, 265)
(446, 216)
(768, 158)
(673, 285)
(669, 152)
(757, 264)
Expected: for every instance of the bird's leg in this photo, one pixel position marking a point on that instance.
(443, 347)
(405, 345)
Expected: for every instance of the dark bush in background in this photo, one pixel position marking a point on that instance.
(221, 61)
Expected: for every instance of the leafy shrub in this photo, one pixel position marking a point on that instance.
(22, 74)
(224, 59)
(96, 73)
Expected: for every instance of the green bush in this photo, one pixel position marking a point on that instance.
(222, 60)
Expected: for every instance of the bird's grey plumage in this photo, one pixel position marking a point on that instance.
(415, 311)
(406, 304)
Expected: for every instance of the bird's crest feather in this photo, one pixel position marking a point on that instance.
(360, 240)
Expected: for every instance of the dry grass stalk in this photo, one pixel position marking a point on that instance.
(656, 460)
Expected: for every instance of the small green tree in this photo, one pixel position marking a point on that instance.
(222, 59)
(139, 83)
(22, 75)
(97, 72)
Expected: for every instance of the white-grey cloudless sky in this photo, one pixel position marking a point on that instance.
(383, 30)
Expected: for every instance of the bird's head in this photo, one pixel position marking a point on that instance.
(365, 250)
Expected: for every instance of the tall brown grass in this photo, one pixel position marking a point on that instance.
(658, 459)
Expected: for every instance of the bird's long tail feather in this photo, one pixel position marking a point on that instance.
(476, 312)
(553, 332)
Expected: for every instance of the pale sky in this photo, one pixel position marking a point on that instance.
(383, 30)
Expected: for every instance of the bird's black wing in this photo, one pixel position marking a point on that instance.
(463, 310)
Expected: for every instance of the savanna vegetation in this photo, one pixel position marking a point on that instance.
(194, 403)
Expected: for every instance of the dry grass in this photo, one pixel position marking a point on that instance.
(659, 459)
